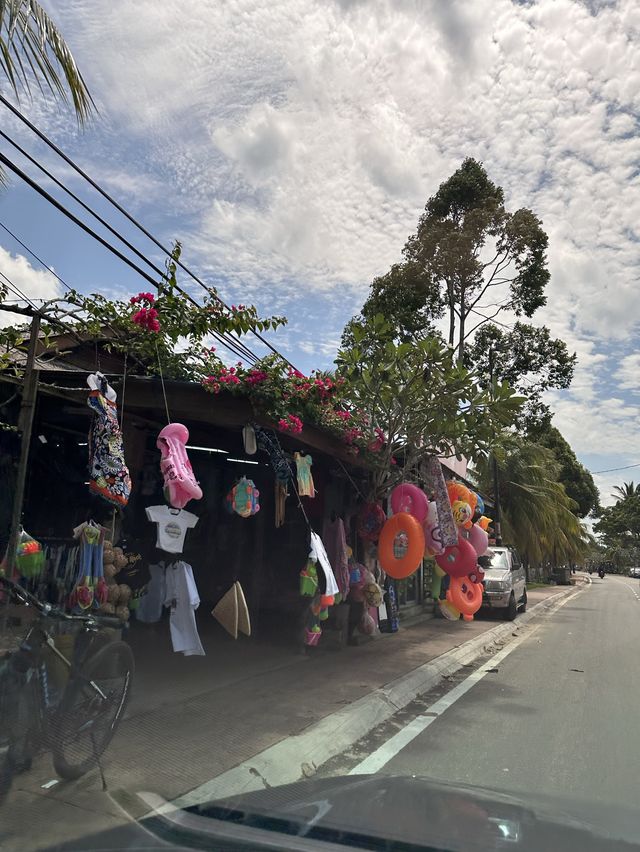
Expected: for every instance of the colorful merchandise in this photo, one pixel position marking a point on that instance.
(371, 519)
(410, 499)
(437, 486)
(108, 473)
(465, 596)
(459, 560)
(402, 567)
(309, 580)
(479, 540)
(172, 527)
(29, 556)
(90, 576)
(181, 595)
(306, 487)
(448, 611)
(391, 604)
(179, 482)
(462, 513)
(243, 499)
(312, 635)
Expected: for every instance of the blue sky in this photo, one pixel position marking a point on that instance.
(291, 147)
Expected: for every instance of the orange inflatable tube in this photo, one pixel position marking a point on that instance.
(410, 562)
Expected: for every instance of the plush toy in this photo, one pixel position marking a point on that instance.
(110, 572)
(124, 594)
(107, 609)
(107, 554)
(373, 594)
(113, 594)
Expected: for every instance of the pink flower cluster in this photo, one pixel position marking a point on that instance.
(343, 415)
(226, 376)
(353, 434)
(142, 297)
(147, 318)
(256, 377)
(290, 423)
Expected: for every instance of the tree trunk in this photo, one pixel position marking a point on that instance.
(463, 318)
(452, 314)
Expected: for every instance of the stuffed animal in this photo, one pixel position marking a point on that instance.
(123, 613)
(113, 594)
(119, 559)
(107, 609)
(110, 572)
(125, 594)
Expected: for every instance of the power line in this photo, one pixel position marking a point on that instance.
(237, 347)
(131, 218)
(35, 256)
(614, 469)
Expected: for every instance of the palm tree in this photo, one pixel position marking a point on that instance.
(33, 51)
(627, 489)
(538, 515)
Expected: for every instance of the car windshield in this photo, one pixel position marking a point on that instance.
(498, 561)
(319, 406)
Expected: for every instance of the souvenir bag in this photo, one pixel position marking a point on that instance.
(29, 556)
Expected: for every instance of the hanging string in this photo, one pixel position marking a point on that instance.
(164, 390)
(124, 387)
(352, 481)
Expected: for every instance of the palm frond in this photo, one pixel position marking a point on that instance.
(33, 51)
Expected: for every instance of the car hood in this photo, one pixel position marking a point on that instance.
(496, 575)
(374, 811)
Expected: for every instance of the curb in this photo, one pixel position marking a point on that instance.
(299, 756)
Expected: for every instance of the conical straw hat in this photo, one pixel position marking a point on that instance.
(244, 622)
(226, 612)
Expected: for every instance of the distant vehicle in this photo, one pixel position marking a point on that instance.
(634, 572)
(505, 582)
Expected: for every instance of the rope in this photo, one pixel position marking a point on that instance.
(164, 390)
(124, 386)
(351, 480)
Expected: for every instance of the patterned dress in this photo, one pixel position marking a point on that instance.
(108, 472)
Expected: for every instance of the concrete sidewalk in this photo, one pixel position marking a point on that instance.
(196, 719)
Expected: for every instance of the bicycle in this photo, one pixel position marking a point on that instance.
(78, 726)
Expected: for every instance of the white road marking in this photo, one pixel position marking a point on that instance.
(50, 784)
(631, 588)
(388, 750)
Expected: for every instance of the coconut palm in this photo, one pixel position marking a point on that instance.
(537, 514)
(33, 52)
(627, 489)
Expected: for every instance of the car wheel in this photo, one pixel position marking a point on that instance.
(512, 610)
(523, 605)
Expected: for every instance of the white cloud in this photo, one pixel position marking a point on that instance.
(24, 280)
(295, 144)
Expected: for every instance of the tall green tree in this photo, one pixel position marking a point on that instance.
(577, 480)
(538, 516)
(470, 247)
(422, 401)
(619, 525)
(627, 489)
(529, 359)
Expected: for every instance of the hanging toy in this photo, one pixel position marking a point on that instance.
(410, 499)
(448, 611)
(243, 499)
(459, 560)
(465, 596)
(484, 523)
(309, 580)
(29, 556)
(180, 485)
(371, 519)
(402, 567)
(462, 512)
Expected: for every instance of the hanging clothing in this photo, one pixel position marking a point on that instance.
(306, 487)
(149, 609)
(181, 594)
(108, 473)
(335, 541)
(91, 587)
(172, 527)
(319, 555)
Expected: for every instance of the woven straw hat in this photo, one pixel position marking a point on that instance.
(226, 611)
(244, 622)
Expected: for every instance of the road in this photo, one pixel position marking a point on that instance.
(558, 714)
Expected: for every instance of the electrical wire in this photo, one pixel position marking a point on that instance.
(131, 218)
(236, 346)
(614, 469)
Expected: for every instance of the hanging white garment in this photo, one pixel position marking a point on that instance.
(182, 596)
(319, 555)
(150, 607)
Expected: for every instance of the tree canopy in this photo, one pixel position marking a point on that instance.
(577, 480)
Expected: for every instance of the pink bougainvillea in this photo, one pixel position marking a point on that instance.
(147, 318)
(291, 424)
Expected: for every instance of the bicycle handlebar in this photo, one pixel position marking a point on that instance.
(50, 611)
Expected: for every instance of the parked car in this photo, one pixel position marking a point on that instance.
(505, 581)
(634, 572)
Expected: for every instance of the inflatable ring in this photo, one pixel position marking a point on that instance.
(465, 596)
(396, 568)
(458, 491)
(410, 499)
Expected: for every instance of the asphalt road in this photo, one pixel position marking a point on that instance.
(559, 716)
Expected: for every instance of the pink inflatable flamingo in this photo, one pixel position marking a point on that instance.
(180, 484)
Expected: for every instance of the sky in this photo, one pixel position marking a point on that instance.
(291, 146)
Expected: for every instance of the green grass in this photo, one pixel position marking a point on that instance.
(537, 585)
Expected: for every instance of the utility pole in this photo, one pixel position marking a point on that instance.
(25, 424)
(497, 521)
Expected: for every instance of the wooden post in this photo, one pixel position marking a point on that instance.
(25, 424)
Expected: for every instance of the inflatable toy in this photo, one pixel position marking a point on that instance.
(410, 499)
(399, 568)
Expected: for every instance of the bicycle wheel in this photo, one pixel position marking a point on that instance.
(91, 709)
